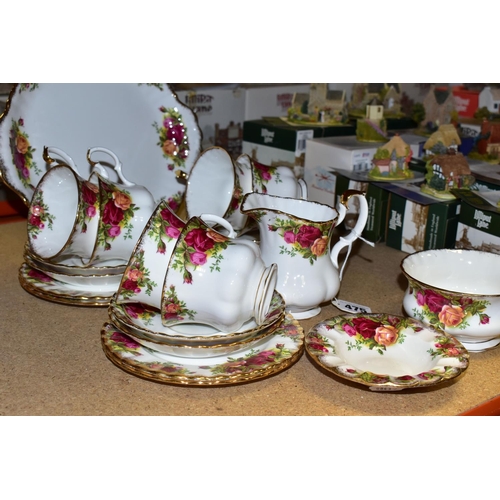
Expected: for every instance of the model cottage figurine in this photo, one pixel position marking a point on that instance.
(445, 172)
(391, 161)
(444, 138)
(372, 128)
(320, 106)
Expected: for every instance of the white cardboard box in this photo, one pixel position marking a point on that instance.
(324, 156)
(274, 100)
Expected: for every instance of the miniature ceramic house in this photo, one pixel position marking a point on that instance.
(373, 128)
(392, 99)
(439, 105)
(446, 172)
(490, 98)
(320, 105)
(391, 161)
(445, 137)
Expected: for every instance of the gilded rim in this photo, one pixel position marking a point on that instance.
(70, 297)
(392, 383)
(449, 251)
(139, 369)
(275, 319)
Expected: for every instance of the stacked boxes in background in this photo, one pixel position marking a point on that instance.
(222, 109)
(479, 222)
(272, 141)
(418, 222)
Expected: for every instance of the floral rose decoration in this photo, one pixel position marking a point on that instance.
(447, 310)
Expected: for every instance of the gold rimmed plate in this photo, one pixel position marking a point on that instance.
(278, 352)
(154, 133)
(45, 287)
(385, 352)
(147, 321)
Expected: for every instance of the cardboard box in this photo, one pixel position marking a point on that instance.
(221, 109)
(418, 222)
(220, 113)
(339, 153)
(272, 141)
(377, 200)
(479, 222)
(270, 100)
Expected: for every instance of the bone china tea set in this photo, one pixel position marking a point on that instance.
(207, 264)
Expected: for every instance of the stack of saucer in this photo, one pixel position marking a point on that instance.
(196, 307)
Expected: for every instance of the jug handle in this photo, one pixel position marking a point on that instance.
(355, 233)
(219, 220)
(47, 150)
(117, 166)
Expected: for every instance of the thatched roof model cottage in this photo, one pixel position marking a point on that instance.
(392, 160)
(445, 137)
(445, 172)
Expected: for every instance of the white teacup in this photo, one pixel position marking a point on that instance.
(216, 280)
(457, 291)
(125, 208)
(143, 277)
(63, 215)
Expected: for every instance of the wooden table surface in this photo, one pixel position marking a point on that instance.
(52, 362)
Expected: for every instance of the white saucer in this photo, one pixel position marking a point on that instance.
(274, 355)
(386, 352)
(43, 286)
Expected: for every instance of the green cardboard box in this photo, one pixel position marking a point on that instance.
(418, 222)
(479, 222)
(272, 141)
(377, 199)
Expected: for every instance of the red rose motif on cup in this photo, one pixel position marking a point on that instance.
(112, 214)
(199, 240)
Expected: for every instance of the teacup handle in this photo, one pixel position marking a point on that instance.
(355, 233)
(117, 164)
(222, 222)
(48, 150)
(303, 189)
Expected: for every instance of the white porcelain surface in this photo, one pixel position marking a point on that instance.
(146, 321)
(72, 266)
(216, 280)
(44, 286)
(125, 209)
(278, 180)
(295, 234)
(152, 132)
(457, 291)
(385, 352)
(211, 183)
(145, 273)
(63, 215)
(275, 354)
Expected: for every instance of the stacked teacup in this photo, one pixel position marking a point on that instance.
(81, 231)
(189, 290)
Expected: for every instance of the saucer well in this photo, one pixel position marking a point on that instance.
(45, 287)
(277, 353)
(385, 352)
